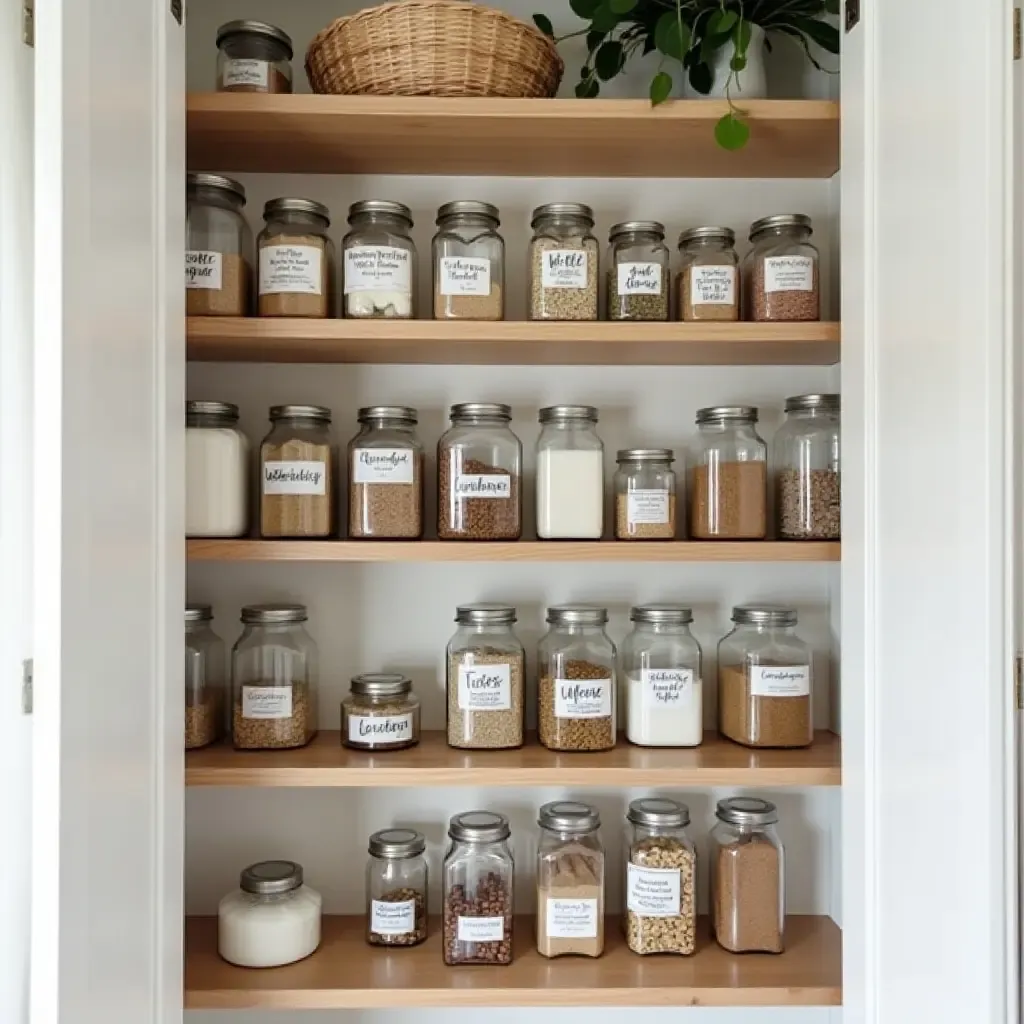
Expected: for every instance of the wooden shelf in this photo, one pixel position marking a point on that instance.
(346, 973)
(533, 137)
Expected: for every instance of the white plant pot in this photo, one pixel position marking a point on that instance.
(749, 84)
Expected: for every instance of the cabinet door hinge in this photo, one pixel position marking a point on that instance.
(852, 14)
(28, 22)
(26, 687)
(1018, 42)
(176, 10)
(1018, 681)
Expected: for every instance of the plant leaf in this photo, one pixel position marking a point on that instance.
(825, 35)
(701, 78)
(543, 22)
(594, 39)
(732, 132)
(587, 90)
(831, 6)
(648, 44)
(622, 6)
(608, 61)
(721, 22)
(584, 8)
(738, 63)
(741, 37)
(661, 87)
(603, 20)
(672, 36)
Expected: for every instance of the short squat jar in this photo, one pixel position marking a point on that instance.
(218, 247)
(253, 56)
(396, 888)
(216, 471)
(296, 260)
(379, 261)
(638, 271)
(205, 683)
(469, 263)
(780, 273)
(645, 494)
(563, 263)
(380, 713)
(570, 474)
(708, 282)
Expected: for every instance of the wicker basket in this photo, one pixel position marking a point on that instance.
(433, 48)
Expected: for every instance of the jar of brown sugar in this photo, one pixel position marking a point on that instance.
(218, 253)
(296, 268)
(781, 279)
(379, 261)
(469, 263)
(253, 56)
(645, 494)
(708, 278)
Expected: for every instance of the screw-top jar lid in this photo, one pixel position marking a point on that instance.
(471, 410)
(369, 413)
(468, 208)
(273, 614)
(485, 614)
(224, 411)
(629, 227)
(577, 615)
(479, 827)
(780, 220)
(386, 206)
(200, 179)
(570, 816)
(662, 614)
(381, 684)
(658, 812)
(707, 234)
(722, 413)
(271, 877)
(580, 210)
(320, 413)
(557, 413)
(810, 403)
(645, 455)
(295, 205)
(747, 810)
(198, 613)
(255, 28)
(763, 615)
(397, 843)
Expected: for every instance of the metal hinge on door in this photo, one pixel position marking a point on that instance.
(26, 687)
(852, 13)
(28, 22)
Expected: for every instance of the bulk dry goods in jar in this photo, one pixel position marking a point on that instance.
(638, 271)
(570, 474)
(205, 689)
(645, 494)
(216, 471)
(379, 261)
(469, 263)
(708, 279)
(218, 253)
(780, 273)
(296, 268)
(806, 456)
(253, 56)
(396, 888)
(563, 263)
(380, 713)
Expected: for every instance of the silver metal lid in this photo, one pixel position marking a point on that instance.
(569, 816)
(397, 843)
(628, 227)
(271, 877)
(485, 614)
(468, 208)
(747, 810)
(387, 206)
(577, 615)
(563, 210)
(721, 413)
(320, 413)
(556, 413)
(198, 613)
(763, 615)
(780, 220)
(810, 403)
(406, 413)
(200, 179)
(273, 614)
(255, 28)
(645, 455)
(381, 684)
(658, 812)
(662, 614)
(470, 410)
(225, 411)
(479, 827)
(726, 235)
(296, 205)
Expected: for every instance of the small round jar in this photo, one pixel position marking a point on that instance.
(781, 278)
(216, 471)
(570, 474)
(469, 263)
(708, 279)
(563, 263)
(218, 247)
(296, 268)
(253, 56)
(380, 713)
(645, 494)
(396, 888)
(379, 261)
(638, 271)
(205, 684)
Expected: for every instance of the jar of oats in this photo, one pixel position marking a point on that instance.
(205, 690)
(645, 494)
(781, 280)
(563, 263)
(253, 56)
(708, 278)
(379, 261)
(296, 275)
(469, 263)
(638, 271)
(218, 247)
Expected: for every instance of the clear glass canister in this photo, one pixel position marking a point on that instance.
(570, 474)
(216, 471)
(379, 268)
(576, 680)
(570, 881)
(563, 263)
(253, 56)
(385, 475)
(661, 878)
(296, 260)
(806, 456)
(645, 494)
(780, 273)
(638, 271)
(729, 490)
(485, 679)
(478, 877)
(748, 877)
(380, 713)
(469, 263)
(479, 475)
(661, 665)
(218, 247)
(205, 682)
(708, 279)
(274, 679)
(396, 888)
(765, 680)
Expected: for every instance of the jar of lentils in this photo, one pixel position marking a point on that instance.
(396, 888)
(218, 253)
(379, 261)
(780, 273)
(380, 713)
(708, 279)
(469, 263)
(296, 269)
(638, 271)
(563, 263)
(645, 494)
(253, 56)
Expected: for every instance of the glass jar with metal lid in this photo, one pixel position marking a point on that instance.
(479, 475)
(748, 877)
(469, 263)
(645, 494)
(478, 890)
(638, 271)
(765, 679)
(205, 683)
(216, 471)
(708, 279)
(396, 888)
(781, 278)
(380, 713)
(570, 474)
(218, 247)
(563, 263)
(274, 679)
(729, 489)
(253, 56)
(379, 268)
(296, 275)
(806, 455)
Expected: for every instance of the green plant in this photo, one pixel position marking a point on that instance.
(690, 33)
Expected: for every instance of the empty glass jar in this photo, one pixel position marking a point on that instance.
(780, 273)
(380, 713)
(205, 682)
(708, 279)
(396, 888)
(563, 263)
(806, 456)
(638, 271)
(379, 268)
(296, 259)
(218, 247)
(469, 263)
(570, 474)
(253, 56)
(645, 494)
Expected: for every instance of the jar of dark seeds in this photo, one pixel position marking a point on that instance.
(205, 690)
(396, 888)
(638, 271)
(563, 263)
(708, 279)
(781, 279)
(253, 56)
(806, 455)
(380, 713)
(469, 263)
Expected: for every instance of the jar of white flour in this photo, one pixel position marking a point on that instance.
(570, 474)
(216, 471)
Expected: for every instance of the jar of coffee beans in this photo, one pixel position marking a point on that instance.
(396, 888)
(253, 56)
(380, 713)
(205, 692)
(296, 260)
(638, 271)
(781, 280)
(469, 263)
(708, 279)
(218, 247)
(645, 494)
(477, 887)
(563, 263)
(806, 456)
(379, 268)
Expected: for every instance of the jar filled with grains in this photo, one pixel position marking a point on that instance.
(296, 275)
(806, 455)
(576, 680)
(765, 680)
(728, 494)
(638, 271)
(781, 280)
(469, 263)
(253, 56)
(570, 474)
(748, 877)
(478, 876)
(563, 263)
(708, 279)
(218, 247)
(380, 713)
(379, 261)
(645, 494)
(396, 888)
(216, 471)
(274, 676)
(205, 689)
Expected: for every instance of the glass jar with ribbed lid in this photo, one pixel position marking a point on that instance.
(645, 494)
(253, 56)
(781, 277)
(708, 281)
(638, 271)
(216, 471)
(380, 713)
(218, 247)
(469, 262)
(396, 888)
(296, 259)
(379, 261)
(205, 679)
(564, 259)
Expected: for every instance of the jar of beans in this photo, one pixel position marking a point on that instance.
(205, 691)
(728, 493)
(296, 268)
(563, 263)
(469, 263)
(645, 494)
(477, 887)
(218, 247)
(396, 888)
(380, 713)
(253, 56)
(708, 279)
(638, 271)
(780, 273)
(379, 261)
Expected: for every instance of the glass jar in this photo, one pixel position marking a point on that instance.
(485, 679)
(380, 713)
(570, 881)
(780, 273)
(253, 56)
(296, 276)
(379, 269)
(205, 669)
(748, 877)
(729, 493)
(806, 455)
(570, 474)
(479, 475)
(396, 888)
(271, 919)
(576, 680)
(385, 473)
(469, 263)
(218, 247)
(765, 680)
(645, 494)
(638, 271)
(661, 663)
(274, 679)
(661, 878)
(478, 876)
(563, 263)
(297, 473)
(708, 279)
(216, 471)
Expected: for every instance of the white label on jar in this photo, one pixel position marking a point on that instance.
(647, 507)
(639, 278)
(713, 286)
(246, 72)
(266, 702)
(485, 687)
(203, 269)
(378, 268)
(483, 485)
(583, 698)
(392, 918)
(564, 268)
(382, 466)
(789, 274)
(780, 681)
(461, 275)
(572, 919)
(668, 688)
(294, 477)
(291, 269)
(652, 892)
(481, 929)
(373, 729)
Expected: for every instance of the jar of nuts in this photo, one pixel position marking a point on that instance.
(296, 260)
(380, 713)
(205, 664)
(469, 262)
(253, 56)
(661, 878)
(396, 888)
(708, 279)
(379, 268)
(218, 247)
(563, 263)
(781, 280)
(645, 494)
(638, 271)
